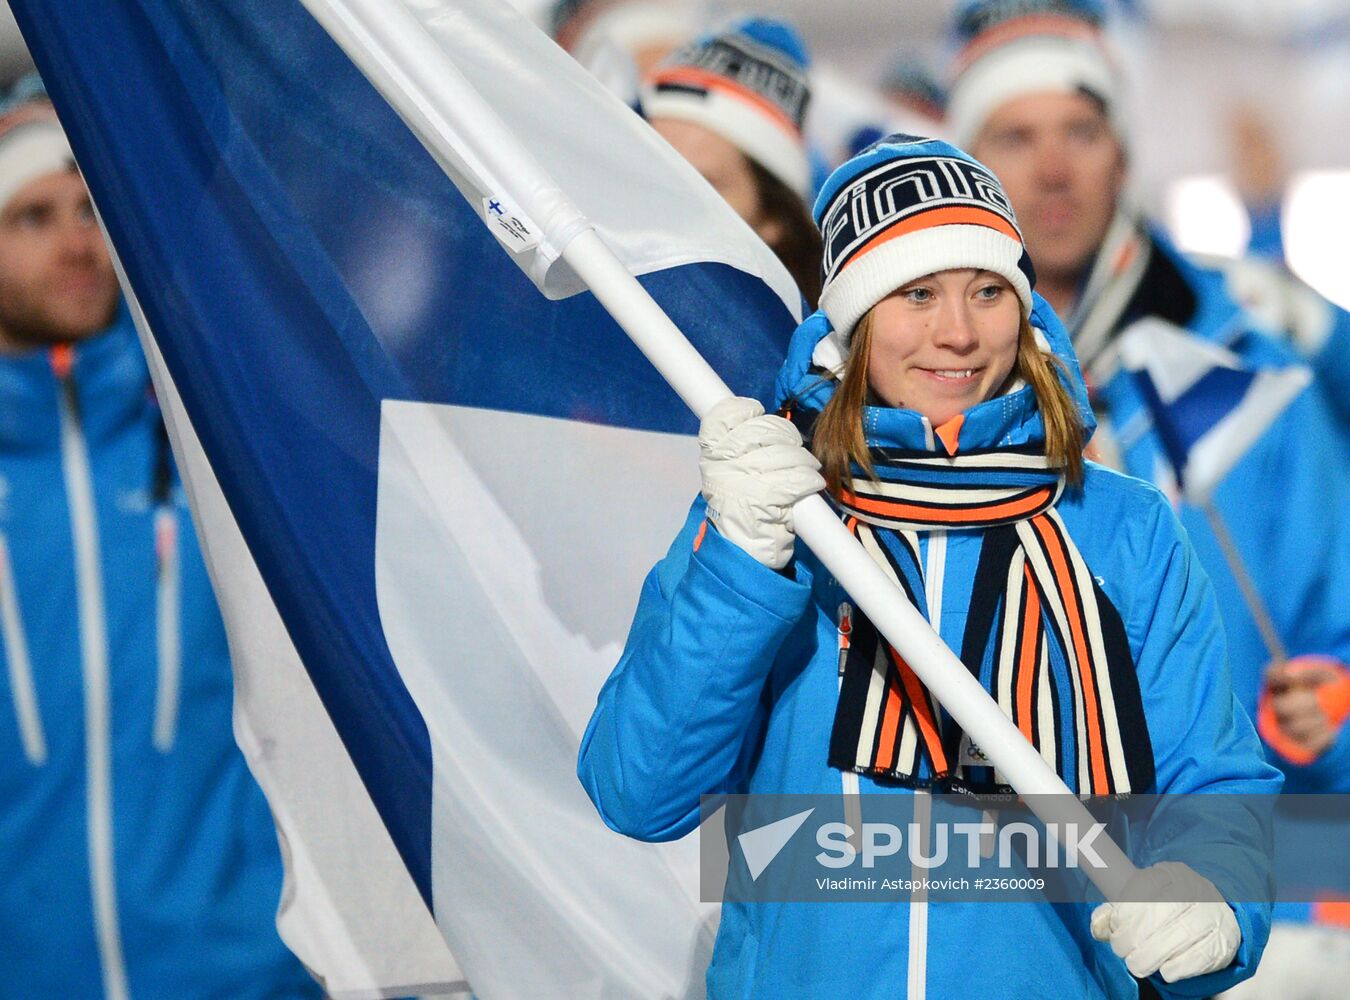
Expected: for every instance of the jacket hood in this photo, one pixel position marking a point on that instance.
(1004, 421)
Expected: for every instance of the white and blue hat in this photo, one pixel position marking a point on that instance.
(32, 142)
(906, 207)
(1011, 48)
(749, 85)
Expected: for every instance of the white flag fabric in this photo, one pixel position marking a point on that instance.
(1206, 405)
(428, 471)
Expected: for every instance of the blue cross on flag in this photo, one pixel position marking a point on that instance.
(1207, 407)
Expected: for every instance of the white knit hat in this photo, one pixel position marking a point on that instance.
(32, 145)
(1019, 47)
(906, 207)
(632, 26)
(747, 84)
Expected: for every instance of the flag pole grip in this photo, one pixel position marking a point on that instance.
(964, 698)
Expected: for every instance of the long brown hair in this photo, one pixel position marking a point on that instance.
(798, 245)
(838, 440)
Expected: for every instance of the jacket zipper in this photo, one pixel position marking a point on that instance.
(94, 662)
(935, 566)
(166, 632)
(849, 779)
(21, 685)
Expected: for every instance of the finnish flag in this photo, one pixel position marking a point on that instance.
(428, 469)
(1207, 408)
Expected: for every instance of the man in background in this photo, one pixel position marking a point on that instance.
(1036, 96)
(137, 856)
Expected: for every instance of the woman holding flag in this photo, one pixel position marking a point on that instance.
(944, 406)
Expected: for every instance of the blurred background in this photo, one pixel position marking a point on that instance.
(1233, 104)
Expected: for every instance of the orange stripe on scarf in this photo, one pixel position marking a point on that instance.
(890, 724)
(1031, 631)
(1064, 579)
(923, 714)
(901, 511)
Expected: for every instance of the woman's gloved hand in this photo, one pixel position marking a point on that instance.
(754, 469)
(1195, 933)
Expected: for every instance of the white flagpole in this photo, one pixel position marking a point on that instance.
(421, 83)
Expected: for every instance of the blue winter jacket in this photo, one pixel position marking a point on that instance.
(1286, 503)
(728, 683)
(137, 855)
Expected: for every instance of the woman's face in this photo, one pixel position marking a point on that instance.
(945, 342)
(725, 168)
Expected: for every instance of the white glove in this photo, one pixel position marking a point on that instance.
(754, 469)
(1180, 939)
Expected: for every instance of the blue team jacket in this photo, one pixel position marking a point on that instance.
(137, 855)
(728, 683)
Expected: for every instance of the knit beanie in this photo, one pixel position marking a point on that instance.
(749, 85)
(906, 207)
(32, 145)
(1011, 48)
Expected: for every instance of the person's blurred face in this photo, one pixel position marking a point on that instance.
(57, 282)
(944, 343)
(1063, 168)
(725, 168)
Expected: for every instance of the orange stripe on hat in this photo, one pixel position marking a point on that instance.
(961, 215)
(712, 81)
(1065, 584)
(1058, 25)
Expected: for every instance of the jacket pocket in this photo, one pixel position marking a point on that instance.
(22, 690)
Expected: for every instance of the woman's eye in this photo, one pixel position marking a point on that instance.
(990, 292)
(918, 294)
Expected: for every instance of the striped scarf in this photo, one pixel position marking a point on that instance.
(1041, 635)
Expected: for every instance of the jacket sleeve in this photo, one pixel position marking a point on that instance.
(1203, 742)
(681, 714)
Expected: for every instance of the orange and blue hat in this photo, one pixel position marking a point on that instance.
(749, 85)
